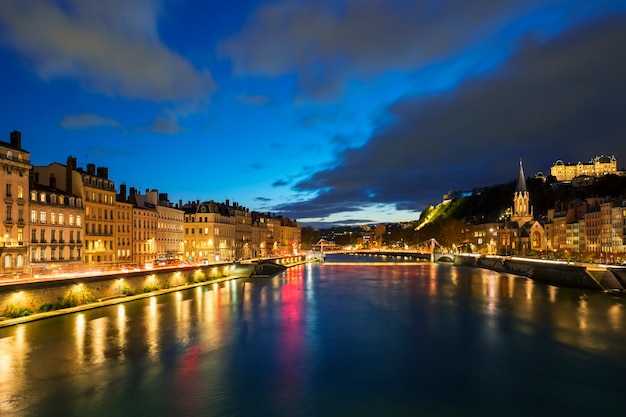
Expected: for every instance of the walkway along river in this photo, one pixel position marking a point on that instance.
(36, 299)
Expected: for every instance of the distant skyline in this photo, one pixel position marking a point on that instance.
(355, 111)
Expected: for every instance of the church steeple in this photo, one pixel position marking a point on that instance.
(521, 179)
(522, 211)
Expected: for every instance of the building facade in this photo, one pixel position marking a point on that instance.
(14, 177)
(97, 192)
(124, 229)
(56, 229)
(597, 167)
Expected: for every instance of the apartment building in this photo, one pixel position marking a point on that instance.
(97, 192)
(124, 248)
(144, 225)
(170, 222)
(14, 177)
(56, 228)
(210, 231)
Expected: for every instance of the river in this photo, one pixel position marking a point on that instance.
(344, 338)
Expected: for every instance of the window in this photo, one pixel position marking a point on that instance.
(33, 195)
(8, 190)
(43, 236)
(61, 220)
(33, 236)
(42, 217)
(71, 220)
(78, 220)
(20, 235)
(53, 218)
(42, 197)
(33, 216)
(9, 212)
(20, 214)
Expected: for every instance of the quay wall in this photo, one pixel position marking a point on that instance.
(69, 292)
(589, 277)
(46, 297)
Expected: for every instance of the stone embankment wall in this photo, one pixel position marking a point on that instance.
(75, 291)
(562, 275)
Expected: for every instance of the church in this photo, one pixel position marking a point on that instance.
(527, 234)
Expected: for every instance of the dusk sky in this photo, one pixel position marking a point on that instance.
(348, 111)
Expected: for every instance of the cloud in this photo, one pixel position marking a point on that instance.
(556, 99)
(329, 43)
(163, 125)
(111, 47)
(87, 120)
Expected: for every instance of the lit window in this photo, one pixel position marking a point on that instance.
(42, 217)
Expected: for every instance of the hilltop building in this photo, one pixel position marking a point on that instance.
(597, 167)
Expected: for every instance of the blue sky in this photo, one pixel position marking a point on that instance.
(323, 111)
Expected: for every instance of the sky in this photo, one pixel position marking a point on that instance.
(325, 111)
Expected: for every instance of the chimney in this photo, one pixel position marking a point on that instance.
(16, 139)
(53, 181)
(103, 172)
(227, 203)
(123, 192)
(91, 169)
(69, 169)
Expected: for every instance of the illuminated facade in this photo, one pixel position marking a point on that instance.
(218, 232)
(123, 228)
(597, 167)
(55, 228)
(210, 231)
(169, 233)
(145, 221)
(14, 177)
(97, 192)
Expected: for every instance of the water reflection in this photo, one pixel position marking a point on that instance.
(376, 339)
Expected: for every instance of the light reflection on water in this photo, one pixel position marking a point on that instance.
(401, 339)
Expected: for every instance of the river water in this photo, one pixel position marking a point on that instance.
(338, 339)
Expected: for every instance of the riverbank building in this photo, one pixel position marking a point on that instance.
(14, 177)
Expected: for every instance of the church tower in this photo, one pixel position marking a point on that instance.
(522, 211)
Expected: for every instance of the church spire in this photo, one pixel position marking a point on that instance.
(521, 179)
